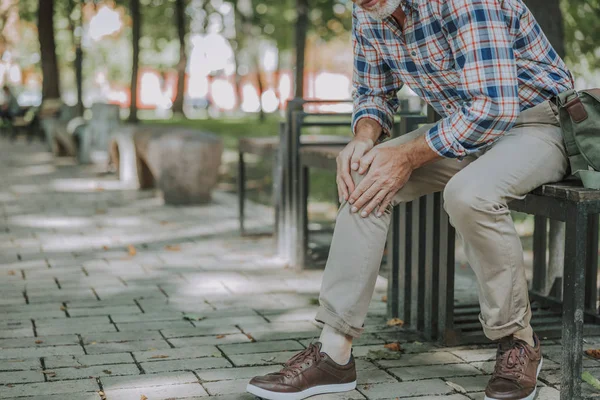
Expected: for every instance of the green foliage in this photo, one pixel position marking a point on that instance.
(582, 31)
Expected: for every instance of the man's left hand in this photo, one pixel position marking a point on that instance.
(389, 168)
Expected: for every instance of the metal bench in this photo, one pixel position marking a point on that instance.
(422, 267)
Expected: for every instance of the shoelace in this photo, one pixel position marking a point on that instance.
(296, 364)
(511, 364)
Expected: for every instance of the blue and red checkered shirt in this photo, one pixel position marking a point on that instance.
(478, 63)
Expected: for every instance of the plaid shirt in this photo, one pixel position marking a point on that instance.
(478, 63)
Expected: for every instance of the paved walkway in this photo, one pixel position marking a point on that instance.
(108, 294)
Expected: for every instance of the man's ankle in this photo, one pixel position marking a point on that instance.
(525, 335)
(336, 345)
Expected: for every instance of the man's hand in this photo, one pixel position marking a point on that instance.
(389, 170)
(367, 132)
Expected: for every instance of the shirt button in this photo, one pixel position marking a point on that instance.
(413, 53)
(429, 82)
(449, 107)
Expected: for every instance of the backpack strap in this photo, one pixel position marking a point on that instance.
(568, 102)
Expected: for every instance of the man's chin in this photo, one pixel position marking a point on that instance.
(383, 9)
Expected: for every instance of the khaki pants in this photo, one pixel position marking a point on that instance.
(476, 192)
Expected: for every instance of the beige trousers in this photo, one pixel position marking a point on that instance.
(476, 191)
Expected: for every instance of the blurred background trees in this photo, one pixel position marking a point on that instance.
(205, 58)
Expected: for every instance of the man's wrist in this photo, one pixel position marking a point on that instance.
(367, 129)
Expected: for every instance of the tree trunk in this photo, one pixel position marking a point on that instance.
(50, 73)
(78, 64)
(181, 31)
(301, 29)
(136, 33)
(549, 16)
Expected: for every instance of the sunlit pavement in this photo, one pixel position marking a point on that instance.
(108, 294)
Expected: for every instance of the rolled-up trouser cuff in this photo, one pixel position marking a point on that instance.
(330, 318)
(498, 332)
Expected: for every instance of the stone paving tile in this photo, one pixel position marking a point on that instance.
(226, 387)
(406, 389)
(475, 354)
(261, 347)
(75, 328)
(36, 352)
(120, 347)
(447, 397)
(472, 383)
(48, 388)
(18, 364)
(60, 374)
(21, 377)
(16, 333)
(245, 360)
(112, 337)
(409, 360)
(182, 391)
(434, 371)
(145, 326)
(40, 341)
(177, 353)
(108, 310)
(64, 396)
(185, 365)
(367, 377)
(147, 380)
(209, 340)
(87, 360)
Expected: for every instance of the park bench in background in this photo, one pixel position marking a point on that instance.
(56, 130)
(182, 162)
(30, 120)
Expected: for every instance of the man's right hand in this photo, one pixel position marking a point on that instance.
(367, 132)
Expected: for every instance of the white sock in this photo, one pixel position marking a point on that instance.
(336, 345)
(525, 335)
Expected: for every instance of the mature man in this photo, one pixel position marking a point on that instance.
(488, 69)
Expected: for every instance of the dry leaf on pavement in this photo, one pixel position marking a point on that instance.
(220, 336)
(393, 346)
(384, 299)
(107, 371)
(105, 247)
(11, 272)
(159, 356)
(395, 322)
(594, 353)
(249, 336)
(173, 247)
(49, 373)
(143, 397)
(132, 251)
(39, 341)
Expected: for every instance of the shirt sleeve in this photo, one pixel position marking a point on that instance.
(374, 85)
(483, 54)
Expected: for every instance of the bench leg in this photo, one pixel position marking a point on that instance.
(393, 261)
(241, 183)
(573, 303)
(591, 279)
(540, 236)
(302, 227)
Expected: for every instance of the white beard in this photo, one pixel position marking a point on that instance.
(382, 11)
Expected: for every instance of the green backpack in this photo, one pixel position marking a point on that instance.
(579, 113)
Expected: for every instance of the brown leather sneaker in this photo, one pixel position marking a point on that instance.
(308, 373)
(517, 368)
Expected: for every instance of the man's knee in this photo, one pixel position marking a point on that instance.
(462, 200)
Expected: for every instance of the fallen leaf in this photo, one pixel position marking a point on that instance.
(384, 299)
(249, 336)
(11, 272)
(49, 373)
(39, 341)
(9, 385)
(395, 322)
(164, 222)
(105, 247)
(393, 346)
(220, 336)
(100, 211)
(587, 377)
(159, 356)
(593, 353)
(102, 395)
(132, 251)
(107, 371)
(143, 397)
(456, 387)
(63, 308)
(173, 247)
(193, 317)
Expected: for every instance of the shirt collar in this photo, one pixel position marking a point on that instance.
(411, 3)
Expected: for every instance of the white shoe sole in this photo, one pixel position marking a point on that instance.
(532, 395)
(313, 391)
